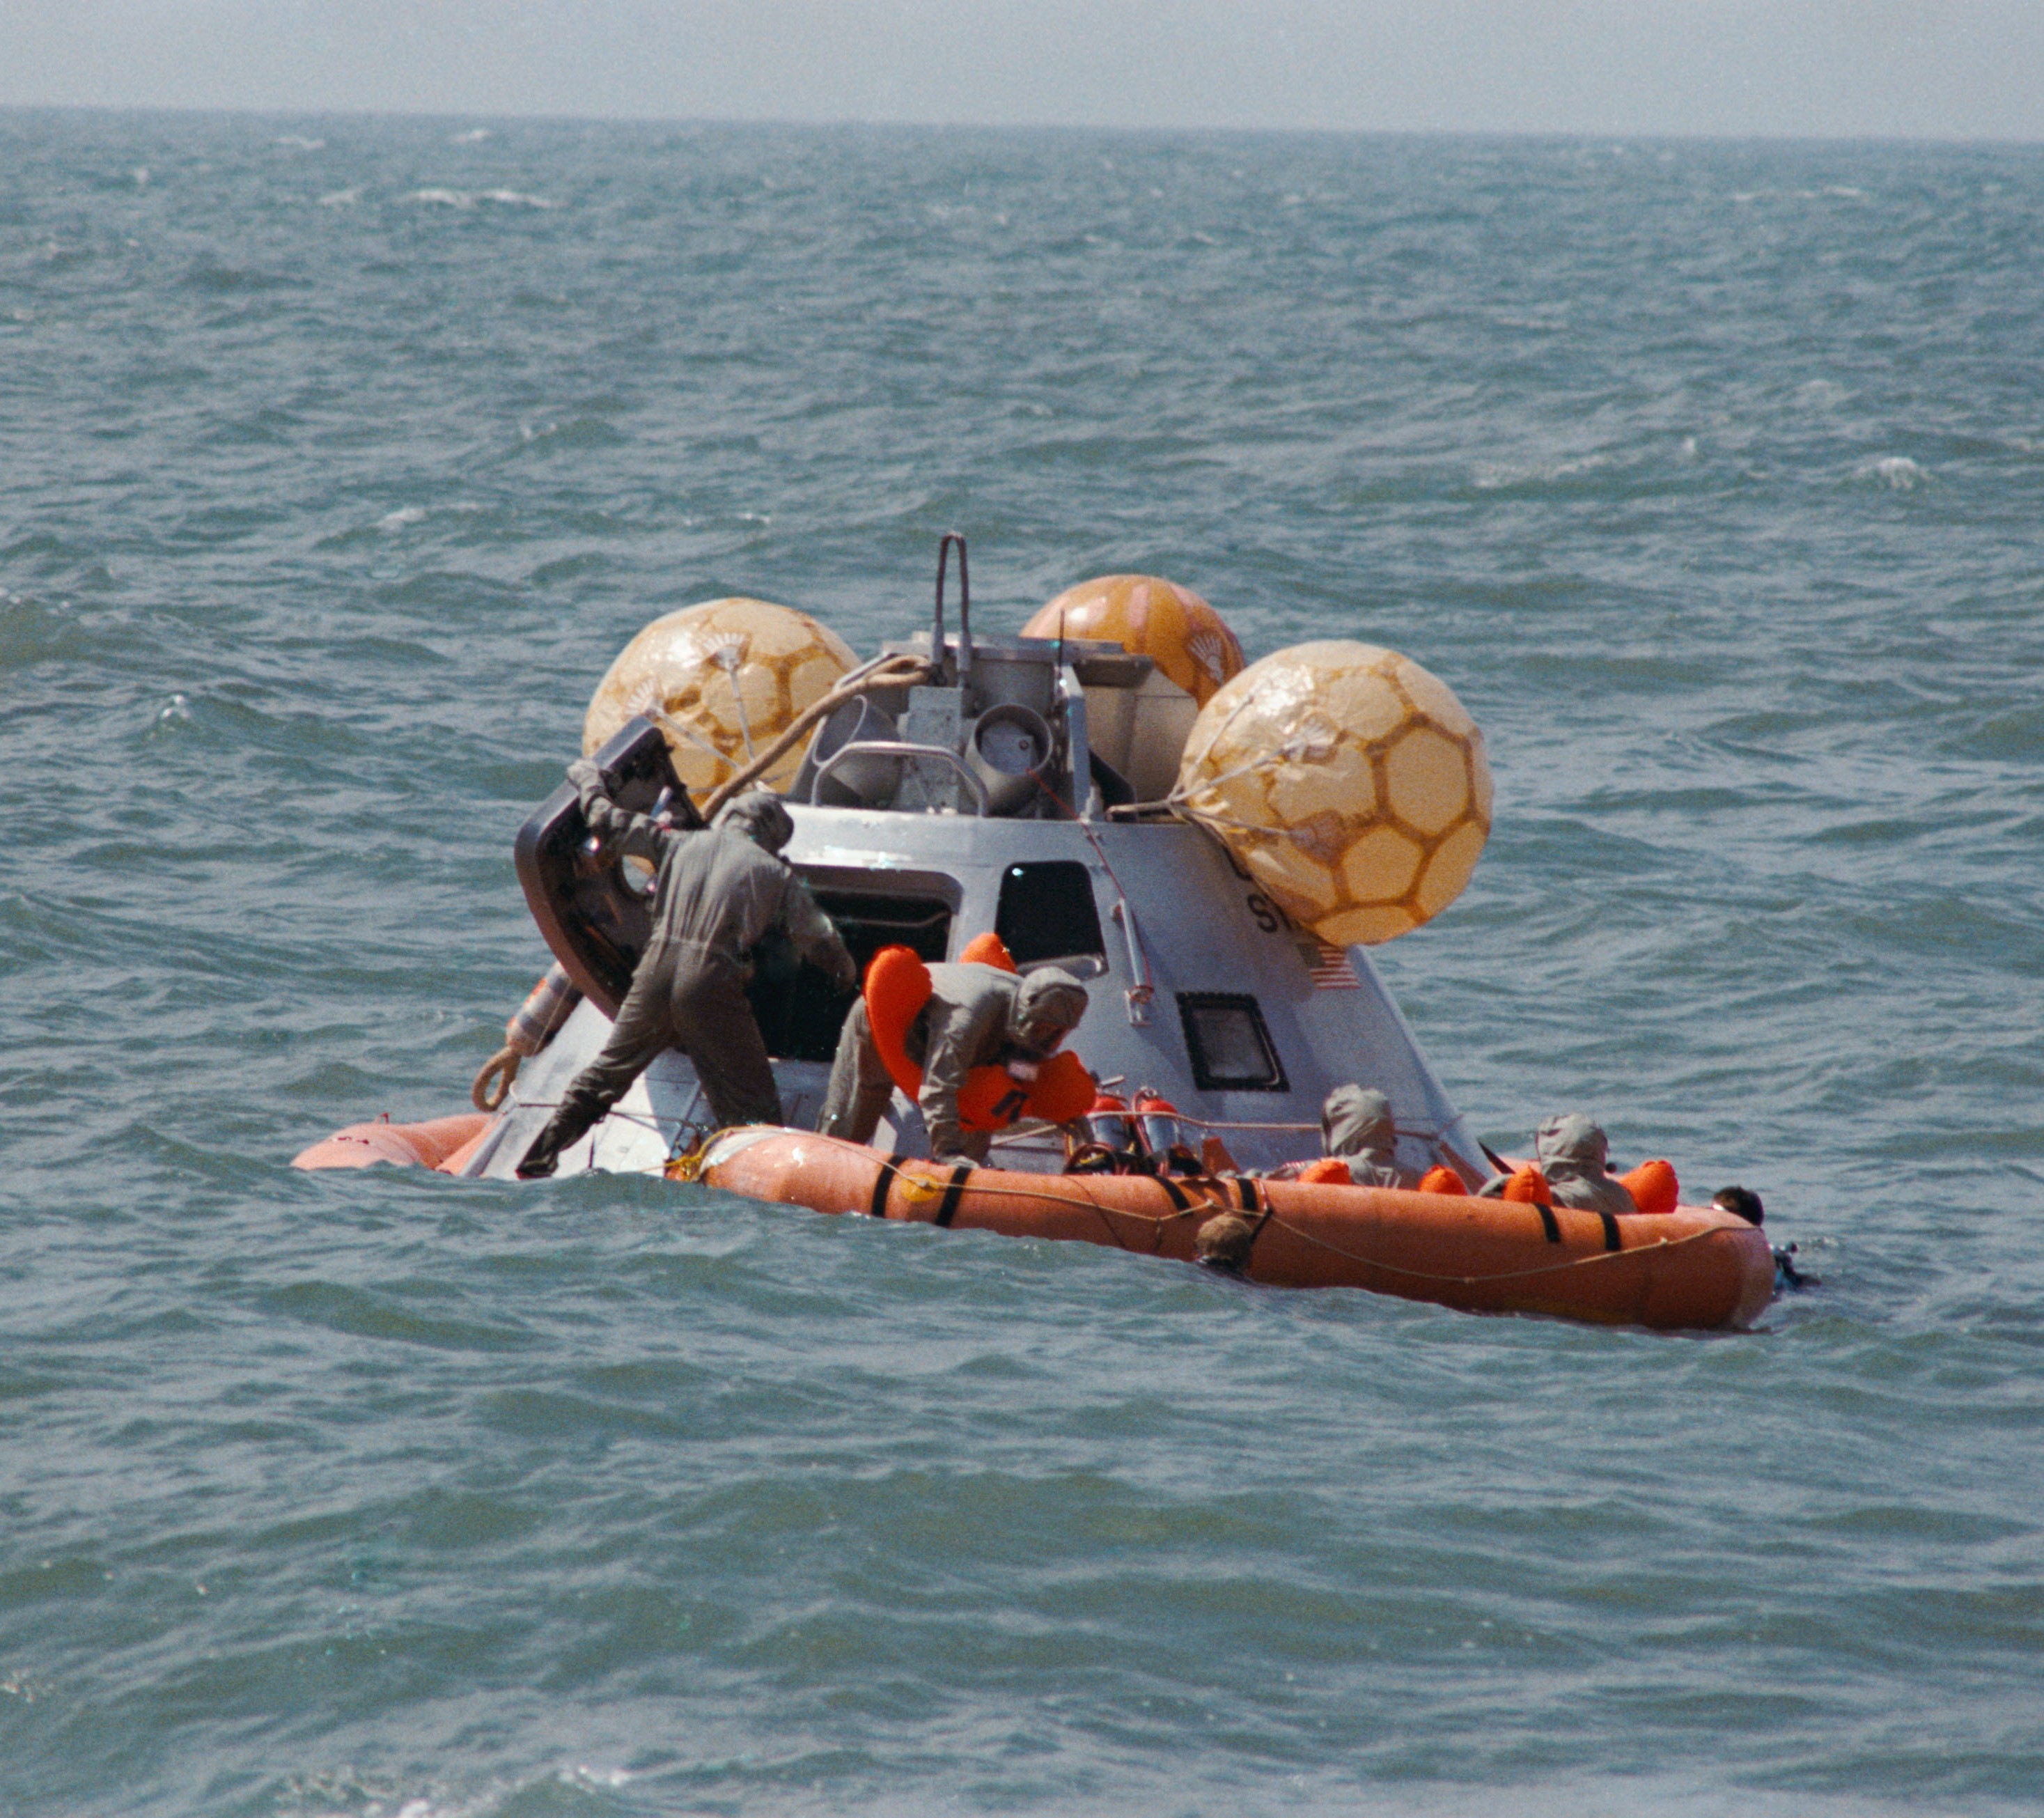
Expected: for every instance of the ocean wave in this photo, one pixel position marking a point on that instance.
(1897, 472)
(436, 198)
(1493, 476)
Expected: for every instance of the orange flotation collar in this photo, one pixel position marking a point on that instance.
(897, 986)
(1652, 1185)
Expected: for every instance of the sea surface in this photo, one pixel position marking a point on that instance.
(338, 457)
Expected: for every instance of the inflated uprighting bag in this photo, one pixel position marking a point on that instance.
(1348, 781)
(722, 680)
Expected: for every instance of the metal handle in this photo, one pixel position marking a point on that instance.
(901, 749)
(965, 606)
(1143, 994)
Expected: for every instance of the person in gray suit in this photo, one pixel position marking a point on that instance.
(717, 890)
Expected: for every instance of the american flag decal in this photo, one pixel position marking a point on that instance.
(1329, 968)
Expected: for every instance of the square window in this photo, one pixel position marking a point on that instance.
(1231, 1049)
(1047, 913)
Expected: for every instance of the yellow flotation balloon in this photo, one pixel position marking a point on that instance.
(1186, 639)
(722, 680)
(1348, 780)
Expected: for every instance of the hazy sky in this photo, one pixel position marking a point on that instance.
(1921, 69)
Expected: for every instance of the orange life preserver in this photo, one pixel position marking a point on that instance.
(989, 949)
(897, 986)
(1653, 1187)
(1442, 1178)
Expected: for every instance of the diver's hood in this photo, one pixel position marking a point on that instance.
(1356, 1121)
(1050, 996)
(1572, 1142)
(758, 814)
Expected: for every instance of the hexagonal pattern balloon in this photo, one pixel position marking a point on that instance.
(723, 680)
(1170, 624)
(1348, 780)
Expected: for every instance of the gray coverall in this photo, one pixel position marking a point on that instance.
(717, 891)
(1356, 1125)
(1571, 1152)
(977, 1016)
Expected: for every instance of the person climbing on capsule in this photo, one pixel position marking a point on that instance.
(975, 1043)
(716, 891)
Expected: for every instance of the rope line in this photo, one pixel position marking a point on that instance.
(1503, 1274)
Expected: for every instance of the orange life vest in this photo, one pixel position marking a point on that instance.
(897, 986)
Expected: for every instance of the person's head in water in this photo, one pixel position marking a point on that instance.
(1743, 1201)
(1048, 1008)
(759, 815)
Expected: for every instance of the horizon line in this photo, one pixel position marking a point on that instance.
(780, 122)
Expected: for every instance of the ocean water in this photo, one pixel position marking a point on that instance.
(338, 457)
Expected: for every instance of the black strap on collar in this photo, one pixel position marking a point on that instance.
(954, 1193)
(883, 1184)
(1245, 1190)
(1548, 1222)
(1611, 1241)
(1180, 1200)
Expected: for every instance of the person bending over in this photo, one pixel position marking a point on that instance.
(977, 1016)
(718, 889)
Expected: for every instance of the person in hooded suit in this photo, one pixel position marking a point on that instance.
(1574, 1155)
(717, 890)
(977, 1016)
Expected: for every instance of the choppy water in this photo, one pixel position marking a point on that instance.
(337, 458)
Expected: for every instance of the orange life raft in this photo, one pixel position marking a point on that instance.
(443, 1143)
(1694, 1267)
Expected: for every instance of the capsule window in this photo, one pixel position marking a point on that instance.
(1231, 1049)
(1047, 913)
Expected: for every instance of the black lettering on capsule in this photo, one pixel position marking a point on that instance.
(1265, 912)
